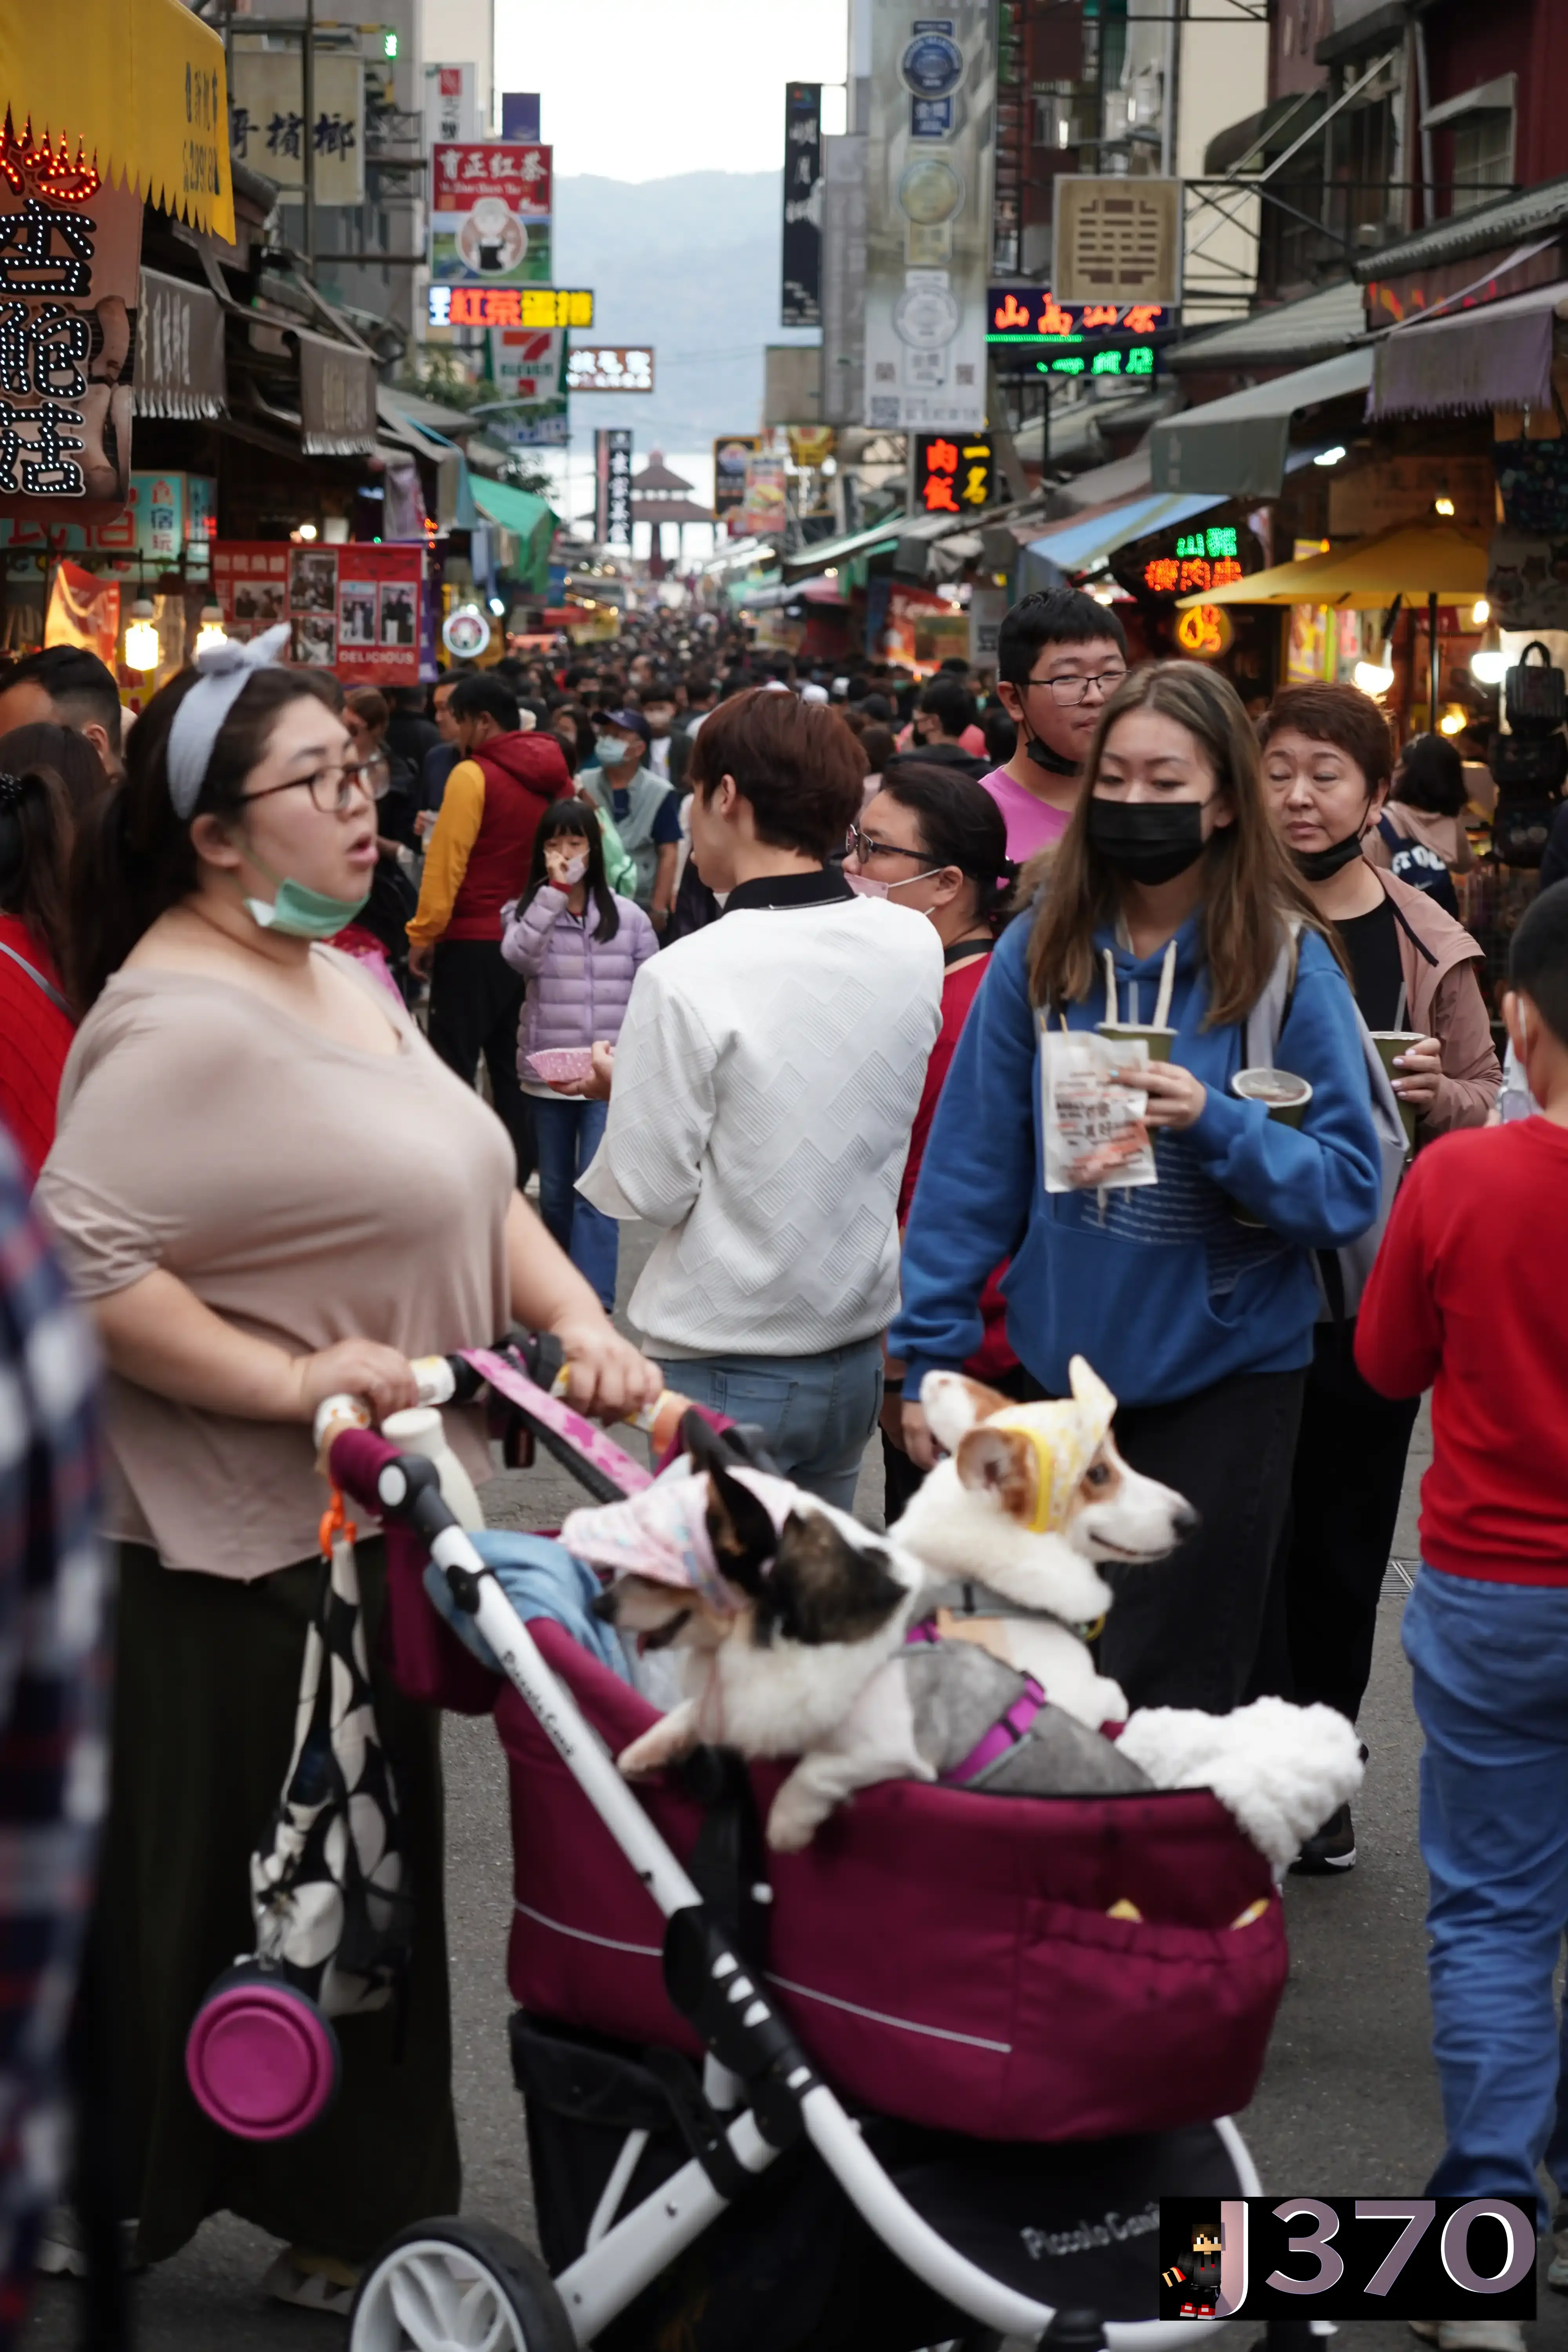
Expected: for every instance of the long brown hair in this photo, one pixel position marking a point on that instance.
(1251, 893)
(49, 776)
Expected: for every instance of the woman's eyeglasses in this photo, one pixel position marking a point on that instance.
(866, 844)
(334, 789)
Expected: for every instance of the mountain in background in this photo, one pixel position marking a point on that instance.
(691, 264)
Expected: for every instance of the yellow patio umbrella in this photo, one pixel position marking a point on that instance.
(1418, 561)
(1431, 562)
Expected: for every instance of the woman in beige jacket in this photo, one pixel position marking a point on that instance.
(1326, 761)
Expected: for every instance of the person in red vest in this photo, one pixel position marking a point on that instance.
(476, 862)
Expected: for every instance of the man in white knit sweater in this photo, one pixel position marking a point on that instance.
(766, 1080)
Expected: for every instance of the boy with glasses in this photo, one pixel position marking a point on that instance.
(1057, 657)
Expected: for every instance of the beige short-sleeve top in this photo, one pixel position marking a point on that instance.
(306, 1191)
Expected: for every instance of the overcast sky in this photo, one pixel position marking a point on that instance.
(641, 89)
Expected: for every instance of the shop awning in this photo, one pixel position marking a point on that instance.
(1497, 355)
(1238, 446)
(1088, 539)
(823, 551)
(1415, 561)
(1286, 334)
(139, 85)
(337, 396)
(179, 350)
(532, 518)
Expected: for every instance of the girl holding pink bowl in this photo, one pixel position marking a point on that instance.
(579, 945)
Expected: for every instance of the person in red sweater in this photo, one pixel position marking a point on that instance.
(476, 861)
(1463, 1300)
(47, 775)
(933, 839)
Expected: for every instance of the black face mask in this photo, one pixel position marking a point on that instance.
(1042, 755)
(1148, 841)
(1318, 865)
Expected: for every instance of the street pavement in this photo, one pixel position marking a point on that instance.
(1348, 2105)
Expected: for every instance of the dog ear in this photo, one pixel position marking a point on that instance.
(822, 1587)
(953, 1403)
(1000, 1462)
(743, 1537)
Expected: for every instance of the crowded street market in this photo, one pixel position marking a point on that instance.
(784, 1327)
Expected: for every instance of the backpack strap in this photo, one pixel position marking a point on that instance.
(50, 991)
(1261, 1030)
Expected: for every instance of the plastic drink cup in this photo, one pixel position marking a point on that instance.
(1159, 1041)
(1390, 1043)
(1285, 1097)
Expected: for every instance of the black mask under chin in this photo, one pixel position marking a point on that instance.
(1318, 865)
(1042, 756)
(1148, 841)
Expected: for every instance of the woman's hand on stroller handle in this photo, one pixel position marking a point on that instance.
(359, 1368)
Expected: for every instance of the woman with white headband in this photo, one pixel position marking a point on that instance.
(268, 1190)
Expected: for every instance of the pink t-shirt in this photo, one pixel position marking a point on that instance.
(1032, 824)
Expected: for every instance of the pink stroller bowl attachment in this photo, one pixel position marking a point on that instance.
(261, 2059)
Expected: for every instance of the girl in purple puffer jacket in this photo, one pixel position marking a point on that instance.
(579, 945)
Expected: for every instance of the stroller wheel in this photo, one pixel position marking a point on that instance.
(451, 2286)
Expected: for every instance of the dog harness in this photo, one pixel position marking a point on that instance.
(1009, 1732)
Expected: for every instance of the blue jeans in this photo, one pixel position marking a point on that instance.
(817, 1413)
(1491, 1691)
(566, 1135)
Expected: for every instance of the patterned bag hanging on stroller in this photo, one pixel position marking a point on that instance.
(327, 1885)
(331, 1907)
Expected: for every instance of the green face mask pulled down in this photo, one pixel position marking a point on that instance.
(297, 912)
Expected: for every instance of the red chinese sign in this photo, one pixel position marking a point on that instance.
(954, 474)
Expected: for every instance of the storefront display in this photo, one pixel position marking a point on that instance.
(353, 608)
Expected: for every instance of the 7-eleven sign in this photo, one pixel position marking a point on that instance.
(526, 363)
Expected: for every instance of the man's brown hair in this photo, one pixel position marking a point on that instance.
(796, 763)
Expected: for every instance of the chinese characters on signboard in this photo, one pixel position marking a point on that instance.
(927, 216)
(801, 302)
(165, 517)
(1027, 328)
(595, 368)
(526, 369)
(490, 213)
(267, 118)
(511, 306)
(69, 245)
(954, 476)
(613, 486)
(449, 109)
(1200, 558)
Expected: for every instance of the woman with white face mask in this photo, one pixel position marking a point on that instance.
(268, 1190)
(936, 841)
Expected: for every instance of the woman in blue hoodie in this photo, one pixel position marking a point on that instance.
(1202, 1324)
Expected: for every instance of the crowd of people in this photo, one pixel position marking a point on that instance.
(801, 938)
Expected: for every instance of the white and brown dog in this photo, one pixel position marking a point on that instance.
(782, 1607)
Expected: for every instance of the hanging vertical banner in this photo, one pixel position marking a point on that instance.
(70, 248)
(729, 457)
(520, 114)
(266, 114)
(613, 486)
(490, 213)
(451, 109)
(765, 513)
(801, 302)
(928, 225)
(526, 366)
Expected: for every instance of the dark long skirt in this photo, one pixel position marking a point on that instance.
(207, 1676)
